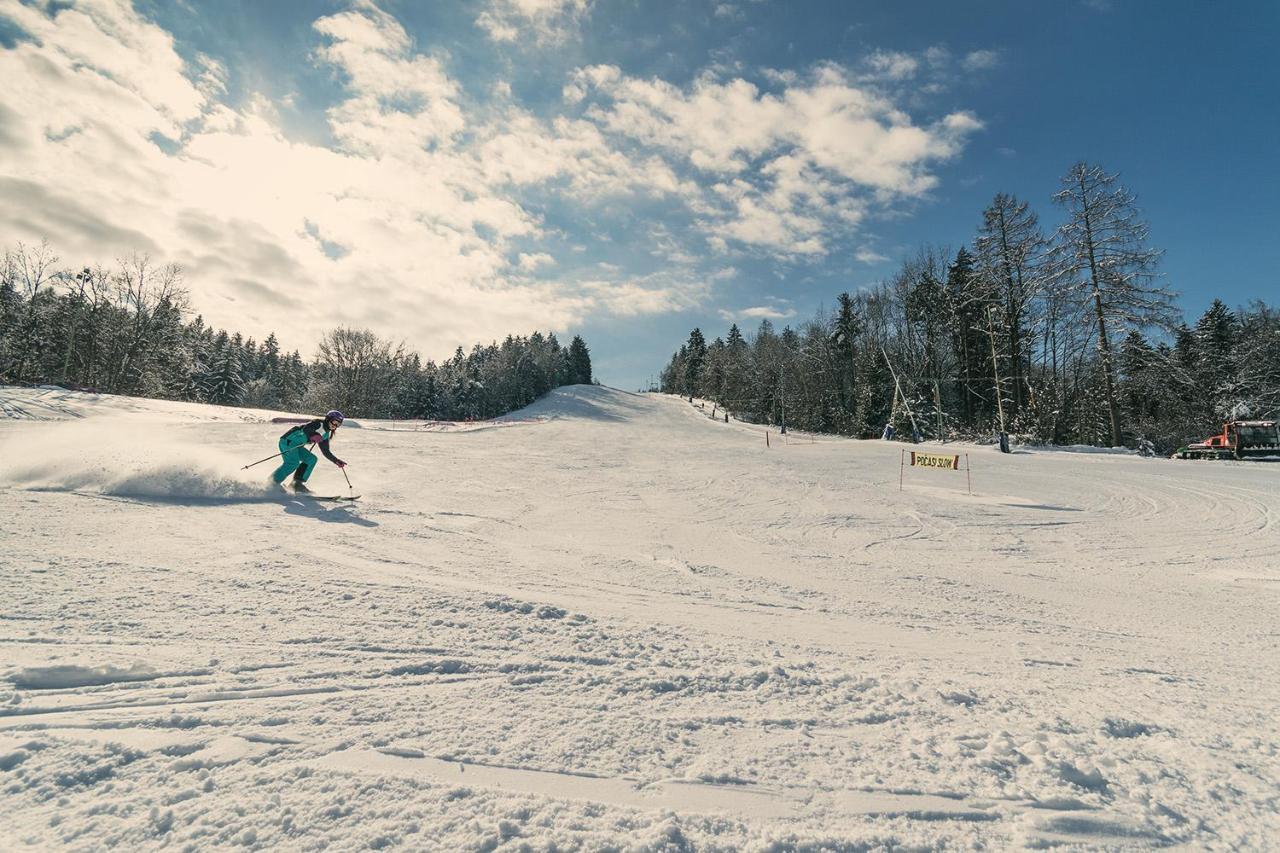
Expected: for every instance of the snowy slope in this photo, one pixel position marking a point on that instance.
(629, 625)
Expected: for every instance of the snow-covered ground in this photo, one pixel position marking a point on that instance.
(624, 625)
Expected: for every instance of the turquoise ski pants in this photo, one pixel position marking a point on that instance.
(295, 455)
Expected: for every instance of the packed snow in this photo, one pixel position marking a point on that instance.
(619, 623)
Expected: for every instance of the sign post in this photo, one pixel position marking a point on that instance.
(936, 461)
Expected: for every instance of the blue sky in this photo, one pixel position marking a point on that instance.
(448, 172)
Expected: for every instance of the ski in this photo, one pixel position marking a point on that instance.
(290, 493)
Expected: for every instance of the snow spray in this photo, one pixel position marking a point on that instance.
(125, 457)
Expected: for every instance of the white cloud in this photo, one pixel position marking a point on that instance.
(541, 21)
(758, 312)
(397, 99)
(212, 80)
(931, 71)
(981, 60)
(522, 150)
(105, 40)
(868, 256)
(633, 297)
(788, 169)
(399, 216)
(425, 218)
(892, 65)
(937, 56)
(535, 261)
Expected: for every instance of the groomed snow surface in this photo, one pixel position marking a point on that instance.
(620, 624)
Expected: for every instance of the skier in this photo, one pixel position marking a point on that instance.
(300, 461)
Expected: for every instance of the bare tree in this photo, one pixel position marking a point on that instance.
(920, 292)
(32, 270)
(355, 371)
(1102, 251)
(1010, 259)
(147, 293)
(77, 285)
(87, 358)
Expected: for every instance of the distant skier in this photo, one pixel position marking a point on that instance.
(296, 458)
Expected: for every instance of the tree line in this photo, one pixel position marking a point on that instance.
(1069, 337)
(125, 330)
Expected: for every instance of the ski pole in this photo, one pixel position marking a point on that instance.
(344, 474)
(260, 461)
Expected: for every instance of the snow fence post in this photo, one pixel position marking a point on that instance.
(766, 438)
(902, 465)
(967, 476)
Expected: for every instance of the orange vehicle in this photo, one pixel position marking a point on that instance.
(1239, 440)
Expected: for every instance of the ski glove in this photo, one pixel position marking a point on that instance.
(340, 464)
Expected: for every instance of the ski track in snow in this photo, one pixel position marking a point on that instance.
(631, 627)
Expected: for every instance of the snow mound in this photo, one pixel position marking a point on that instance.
(446, 426)
(1077, 448)
(590, 402)
(73, 675)
(52, 403)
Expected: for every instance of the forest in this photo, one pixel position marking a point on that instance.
(127, 329)
(1068, 337)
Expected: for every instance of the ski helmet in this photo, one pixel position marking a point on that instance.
(334, 415)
